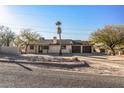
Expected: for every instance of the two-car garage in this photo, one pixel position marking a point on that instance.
(81, 49)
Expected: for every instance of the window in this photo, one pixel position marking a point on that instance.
(64, 47)
(45, 47)
(31, 47)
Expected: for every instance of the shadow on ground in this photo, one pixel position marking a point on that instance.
(25, 67)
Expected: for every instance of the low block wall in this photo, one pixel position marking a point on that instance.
(10, 50)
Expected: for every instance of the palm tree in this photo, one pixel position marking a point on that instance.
(58, 23)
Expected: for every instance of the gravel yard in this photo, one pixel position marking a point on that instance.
(103, 65)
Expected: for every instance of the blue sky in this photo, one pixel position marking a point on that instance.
(78, 22)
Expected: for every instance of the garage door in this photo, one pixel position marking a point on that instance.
(76, 49)
(87, 49)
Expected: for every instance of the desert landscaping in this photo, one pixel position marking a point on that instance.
(88, 63)
(102, 65)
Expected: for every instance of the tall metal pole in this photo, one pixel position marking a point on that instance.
(58, 23)
(60, 52)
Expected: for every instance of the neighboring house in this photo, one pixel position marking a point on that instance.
(101, 48)
(46, 46)
(119, 50)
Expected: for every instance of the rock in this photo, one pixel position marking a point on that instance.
(75, 59)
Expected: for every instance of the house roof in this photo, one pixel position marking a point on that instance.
(64, 42)
(46, 41)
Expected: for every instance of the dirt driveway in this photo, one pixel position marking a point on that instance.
(107, 65)
(99, 64)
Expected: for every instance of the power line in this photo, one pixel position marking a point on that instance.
(17, 25)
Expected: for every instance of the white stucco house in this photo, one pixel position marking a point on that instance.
(46, 46)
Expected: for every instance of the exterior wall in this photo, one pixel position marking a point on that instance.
(53, 49)
(68, 49)
(45, 51)
(10, 50)
(32, 50)
(56, 48)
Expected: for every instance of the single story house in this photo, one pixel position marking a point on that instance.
(46, 46)
(101, 48)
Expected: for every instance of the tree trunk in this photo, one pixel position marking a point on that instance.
(7, 43)
(113, 51)
(26, 47)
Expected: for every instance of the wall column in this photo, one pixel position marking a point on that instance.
(37, 49)
(92, 49)
(81, 49)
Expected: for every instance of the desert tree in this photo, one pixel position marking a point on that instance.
(26, 37)
(6, 36)
(111, 36)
